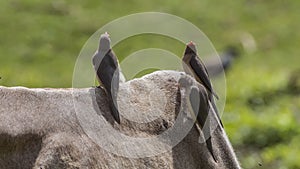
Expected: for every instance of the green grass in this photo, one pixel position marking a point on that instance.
(41, 40)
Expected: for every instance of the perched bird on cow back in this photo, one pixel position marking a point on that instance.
(193, 66)
(107, 69)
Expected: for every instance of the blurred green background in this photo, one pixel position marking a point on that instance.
(40, 41)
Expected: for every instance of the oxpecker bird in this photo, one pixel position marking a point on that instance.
(193, 66)
(107, 69)
(200, 103)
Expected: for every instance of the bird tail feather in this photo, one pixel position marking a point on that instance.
(115, 112)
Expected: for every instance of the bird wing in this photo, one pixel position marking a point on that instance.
(200, 105)
(109, 78)
(200, 70)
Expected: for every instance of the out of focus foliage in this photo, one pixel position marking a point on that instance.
(40, 41)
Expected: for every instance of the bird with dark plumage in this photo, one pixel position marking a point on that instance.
(107, 69)
(198, 99)
(193, 66)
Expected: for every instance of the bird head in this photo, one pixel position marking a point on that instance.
(104, 44)
(191, 48)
